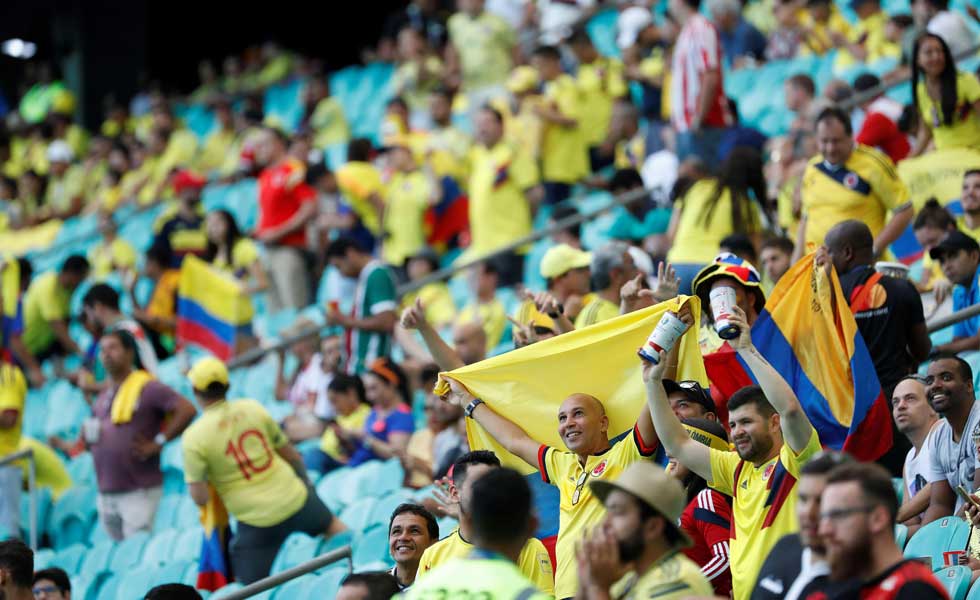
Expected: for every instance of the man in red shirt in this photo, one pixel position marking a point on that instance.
(286, 205)
(881, 115)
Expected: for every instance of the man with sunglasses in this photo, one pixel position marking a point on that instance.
(915, 419)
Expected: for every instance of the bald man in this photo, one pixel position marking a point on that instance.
(915, 418)
(588, 455)
(470, 341)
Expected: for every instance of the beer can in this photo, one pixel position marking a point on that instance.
(722, 301)
(664, 336)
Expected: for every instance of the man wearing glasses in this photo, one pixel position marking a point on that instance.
(857, 520)
(51, 584)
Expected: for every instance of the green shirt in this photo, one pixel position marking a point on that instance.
(375, 294)
(480, 576)
(46, 300)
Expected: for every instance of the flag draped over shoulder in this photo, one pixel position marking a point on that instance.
(9, 294)
(809, 335)
(212, 311)
(214, 566)
(528, 385)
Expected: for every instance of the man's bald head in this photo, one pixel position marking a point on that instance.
(470, 341)
(850, 244)
(583, 424)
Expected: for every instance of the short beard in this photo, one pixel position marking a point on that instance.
(757, 451)
(846, 564)
(630, 549)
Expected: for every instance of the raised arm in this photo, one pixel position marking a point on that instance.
(510, 436)
(445, 357)
(796, 427)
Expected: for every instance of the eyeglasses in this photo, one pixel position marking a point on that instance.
(578, 487)
(842, 513)
(46, 590)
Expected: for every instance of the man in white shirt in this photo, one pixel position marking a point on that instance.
(915, 419)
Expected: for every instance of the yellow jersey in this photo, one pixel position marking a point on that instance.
(244, 253)
(865, 188)
(564, 154)
(962, 226)
(437, 301)
(819, 39)
(13, 393)
(414, 84)
(631, 153)
(673, 577)
(484, 44)
(481, 575)
(600, 83)
(329, 123)
(105, 259)
(701, 227)
(596, 311)
(45, 301)
(579, 509)
(330, 443)
(764, 505)
(492, 315)
(358, 181)
(407, 196)
(534, 562)
(872, 30)
(61, 191)
(965, 130)
(232, 445)
(499, 211)
(524, 129)
(215, 150)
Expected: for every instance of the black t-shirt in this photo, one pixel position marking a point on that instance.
(907, 580)
(885, 319)
(783, 573)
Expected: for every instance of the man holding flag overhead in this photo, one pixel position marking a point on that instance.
(762, 472)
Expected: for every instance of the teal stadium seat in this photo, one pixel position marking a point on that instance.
(899, 484)
(82, 587)
(166, 512)
(357, 516)
(175, 572)
(97, 558)
(44, 558)
(381, 513)
(956, 580)
(389, 479)
(330, 487)
(188, 544)
(301, 587)
(327, 584)
(109, 587)
(948, 534)
(82, 469)
(133, 583)
(160, 547)
(344, 538)
(98, 534)
(974, 593)
(901, 535)
(43, 512)
(69, 558)
(371, 546)
(297, 549)
(128, 552)
(72, 516)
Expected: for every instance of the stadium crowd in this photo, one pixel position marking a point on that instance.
(503, 116)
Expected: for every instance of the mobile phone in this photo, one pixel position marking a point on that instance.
(965, 495)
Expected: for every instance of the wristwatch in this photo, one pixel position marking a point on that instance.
(559, 312)
(160, 439)
(468, 411)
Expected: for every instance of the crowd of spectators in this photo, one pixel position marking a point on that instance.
(503, 112)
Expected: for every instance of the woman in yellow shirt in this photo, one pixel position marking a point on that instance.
(948, 101)
(346, 394)
(230, 251)
(714, 208)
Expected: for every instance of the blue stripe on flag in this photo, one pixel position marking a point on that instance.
(192, 311)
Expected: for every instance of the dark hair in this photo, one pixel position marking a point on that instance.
(908, 121)
(781, 243)
(76, 264)
(17, 558)
(740, 244)
(947, 79)
(692, 482)
(26, 270)
(103, 294)
(865, 81)
(316, 171)
(625, 179)
(500, 507)
(966, 372)
(402, 385)
(563, 212)
(159, 253)
(214, 391)
(875, 483)
(971, 172)
(343, 383)
(56, 576)
(903, 20)
(832, 113)
(476, 457)
(493, 111)
(579, 35)
(173, 591)
(803, 82)
(695, 5)
(381, 585)
(418, 510)
(339, 247)
(751, 394)
(277, 133)
(231, 236)
(741, 176)
(125, 338)
(549, 52)
(359, 149)
(825, 462)
(933, 214)
(938, 4)
(445, 92)
(397, 101)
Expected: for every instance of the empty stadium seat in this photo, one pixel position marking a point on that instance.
(166, 512)
(326, 585)
(956, 580)
(330, 488)
(901, 535)
(82, 587)
(949, 534)
(43, 558)
(371, 546)
(160, 547)
(381, 513)
(128, 552)
(357, 516)
(69, 558)
(301, 587)
(97, 558)
(174, 572)
(82, 469)
(72, 516)
(344, 538)
(974, 593)
(228, 589)
(43, 512)
(297, 549)
(135, 582)
(108, 587)
(188, 544)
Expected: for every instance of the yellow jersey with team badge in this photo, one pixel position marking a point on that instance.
(864, 188)
(596, 311)
(600, 82)
(764, 505)
(533, 563)
(579, 508)
(673, 577)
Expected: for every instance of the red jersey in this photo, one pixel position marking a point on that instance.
(907, 580)
(880, 129)
(697, 50)
(282, 190)
(707, 519)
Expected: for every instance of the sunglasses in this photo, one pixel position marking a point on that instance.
(579, 485)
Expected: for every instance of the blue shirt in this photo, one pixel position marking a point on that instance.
(398, 421)
(963, 297)
(10, 327)
(742, 40)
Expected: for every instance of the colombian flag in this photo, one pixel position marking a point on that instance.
(808, 333)
(212, 311)
(214, 567)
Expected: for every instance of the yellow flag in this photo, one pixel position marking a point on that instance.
(938, 174)
(528, 385)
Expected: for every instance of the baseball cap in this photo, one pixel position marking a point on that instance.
(651, 485)
(522, 79)
(709, 433)
(206, 371)
(630, 23)
(60, 151)
(185, 180)
(561, 259)
(727, 264)
(952, 243)
(694, 392)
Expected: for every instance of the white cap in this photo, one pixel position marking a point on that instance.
(60, 151)
(630, 23)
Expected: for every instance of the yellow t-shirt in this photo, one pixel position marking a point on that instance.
(438, 302)
(446, 149)
(46, 300)
(232, 445)
(630, 153)
(329, 123)
(534, 561)
(764, 506)
(330, 444)
(180, 151)
(819, 41)
(865, 189)
(407, 196)
(564, 154)
(215, 150)
(420, 447)
(524, 129)
(499, 212)
(120, 254)
(600, 83)
(580, 510)
(962, 226)
(415, 90)
(493, 317)
(484, 46)
(673, 577)
(244, 253)
(698, 236)
(357, 182)
(872, 29)
(13, 392)
(61, 191)
(51, 472)
(965, 130)
(596, 311)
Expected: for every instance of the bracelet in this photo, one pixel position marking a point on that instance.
(468, 411)
(560, 310)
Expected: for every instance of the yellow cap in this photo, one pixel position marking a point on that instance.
(63, 103)
(522, 79)
(561, 259)
(13, 386)
(206, 371)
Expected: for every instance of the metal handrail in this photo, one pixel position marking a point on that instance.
(309, 566)
(952, 319)
(31, 488)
